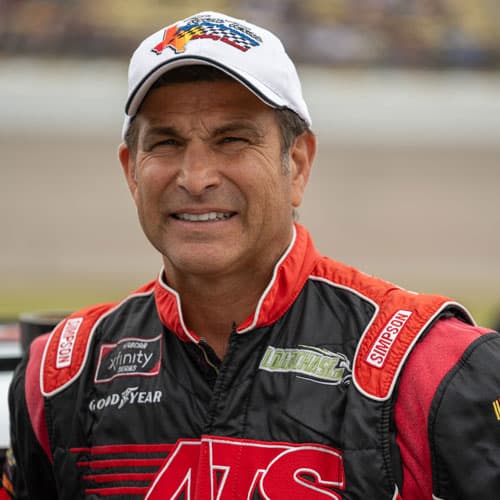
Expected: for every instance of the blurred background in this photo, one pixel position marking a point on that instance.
(405, 100)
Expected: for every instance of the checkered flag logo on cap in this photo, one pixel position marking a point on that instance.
(176, 37)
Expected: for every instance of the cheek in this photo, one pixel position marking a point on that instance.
(148, 195)
(153, 177)
(272, 197)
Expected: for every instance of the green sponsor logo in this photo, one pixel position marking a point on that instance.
(311, 362)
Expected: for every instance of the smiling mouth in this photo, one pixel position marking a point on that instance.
(206, 217)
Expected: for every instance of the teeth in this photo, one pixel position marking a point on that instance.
(210, 216)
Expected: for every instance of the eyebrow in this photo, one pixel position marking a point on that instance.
(237, 126)
(161, 130)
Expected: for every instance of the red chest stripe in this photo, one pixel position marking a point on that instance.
(124, 469)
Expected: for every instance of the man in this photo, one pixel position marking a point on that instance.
(253, 367)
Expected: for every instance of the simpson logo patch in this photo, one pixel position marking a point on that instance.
(238, 36)
(386, 338)
(67, 342)
(128, 357)
(311, 363)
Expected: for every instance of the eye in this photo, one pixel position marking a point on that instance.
(233, 139)
(164, 145)
(167, 142)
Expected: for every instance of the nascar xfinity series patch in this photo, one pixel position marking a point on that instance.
(128, 357)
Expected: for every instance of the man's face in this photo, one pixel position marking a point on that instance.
(208, 179)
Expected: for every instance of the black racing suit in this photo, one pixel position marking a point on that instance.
(123, 401)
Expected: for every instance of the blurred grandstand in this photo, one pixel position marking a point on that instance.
(393, 33)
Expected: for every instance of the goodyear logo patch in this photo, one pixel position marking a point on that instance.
(207, 27)
(312, 363)
(128, 357)
(130, 396)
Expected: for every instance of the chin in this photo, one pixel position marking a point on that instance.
(203, 262)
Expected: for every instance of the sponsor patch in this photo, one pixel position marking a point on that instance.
(236, 468)
(311, 363)
(129, 357)
(496, 408)
(130, 396)
(386, 338)
(215, 29)
(67, 342)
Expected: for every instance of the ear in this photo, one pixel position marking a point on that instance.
(127, 161)
(301, 159)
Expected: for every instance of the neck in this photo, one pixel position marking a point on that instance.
(211, 307)
(212, 303)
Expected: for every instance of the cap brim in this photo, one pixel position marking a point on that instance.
(262, 92)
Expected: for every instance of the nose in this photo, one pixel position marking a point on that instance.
(198, 172)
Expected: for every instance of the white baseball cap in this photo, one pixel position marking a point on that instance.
(253, 56)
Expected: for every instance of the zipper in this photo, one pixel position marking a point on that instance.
(209, 354)
(204, 349)
(220, 382)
